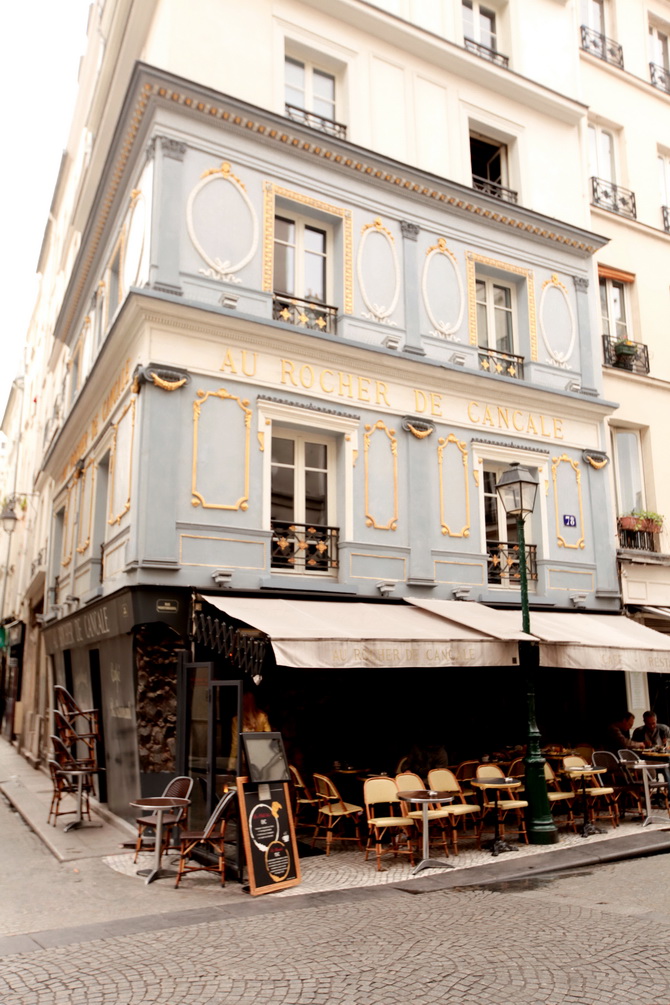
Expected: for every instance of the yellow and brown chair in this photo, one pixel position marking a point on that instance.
(333, 811)
(395, 822)
(558, 796)
(64, 785)
(302, 796)
(408, 781)
(504, 801)
(592, 788)
(444, 780)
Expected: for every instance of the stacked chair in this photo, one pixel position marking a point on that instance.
(74, 750)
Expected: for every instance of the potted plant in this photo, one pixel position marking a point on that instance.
(651, 522)
(625, 352)
(630, 521)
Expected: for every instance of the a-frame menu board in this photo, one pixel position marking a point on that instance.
(269, 835)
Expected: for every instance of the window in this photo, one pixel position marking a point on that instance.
(601, 154)
(659, 53)
(664, 187)
(488, 160)
(310, 96)
(495, 313)
(593, 15)
(594, 33)
(613, 308)
(302, 502)
(300, 273)
(502, 545)
(628, 470)
(480, 32)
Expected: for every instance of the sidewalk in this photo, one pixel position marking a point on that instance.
(29, 792)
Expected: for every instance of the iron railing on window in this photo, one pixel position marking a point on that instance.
(504, 363)
(660, 77)
(616, 198)
(314, 121)
(626, 354)
(666, 218)
(485, 52)
(304, 547)
(304, 313)
(602, 47)
(494, 188)
(503, 563)
(637, 540)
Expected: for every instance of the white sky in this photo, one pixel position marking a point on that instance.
(40, 47)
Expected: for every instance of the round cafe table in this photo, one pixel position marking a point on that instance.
(510, 784)
(159, 804)
(80, 774)
(645, 768)
(423, 798)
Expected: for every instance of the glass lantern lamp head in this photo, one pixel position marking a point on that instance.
(8, 517)
(517, 490)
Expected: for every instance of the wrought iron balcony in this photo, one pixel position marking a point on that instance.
(315, 121)
(602, 47)
(304, 313)
(660, 77)
(494, 189)
(626, 355)
(637, 540)
(666, 218)
(304, 547)
(504, 363)
(503, 563)
(37, 563)
(616, 198)
(486, 53)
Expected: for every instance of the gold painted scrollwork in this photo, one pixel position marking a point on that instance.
(115, 518)
(166, 385)
(442, 443)
(87, 485)
(197, 498)
(370, 431)
(555, 464)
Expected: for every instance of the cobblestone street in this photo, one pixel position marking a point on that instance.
(586, 937)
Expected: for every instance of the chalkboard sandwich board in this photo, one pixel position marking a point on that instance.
(269, 836)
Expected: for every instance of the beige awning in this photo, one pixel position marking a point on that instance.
(572, 641)
(318, 634)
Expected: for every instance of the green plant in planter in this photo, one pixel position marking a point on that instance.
(624, 347)
(642, 519)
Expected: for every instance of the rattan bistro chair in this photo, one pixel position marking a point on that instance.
(333, 811)
(64, 785)
(508, 804)
(408, 781)
(444, 780)
(596, 793)
(658, 785)
(559, 797)
(384, 792)
(302, 796)
(208, 841)
(179, 787)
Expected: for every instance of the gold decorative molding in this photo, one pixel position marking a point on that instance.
(370, 431)
(354, 455)
(598, 465)
(471, 259)
(555, 464)
(68, 526)
(115, 518)
(261, 440)
(270, 193)
(166, 385)
(197, 498)
(225, 172)
(87, 480)
(378, 226)
(420, 434)
(443, 442)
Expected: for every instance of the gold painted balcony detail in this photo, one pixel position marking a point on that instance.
(504, 363)
(301, 547)
(304, 313)
(503, 563)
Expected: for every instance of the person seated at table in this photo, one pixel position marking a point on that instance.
(654, 734)
(421, 759)
(618, 734)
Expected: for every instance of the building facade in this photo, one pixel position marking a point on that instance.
(312, 282)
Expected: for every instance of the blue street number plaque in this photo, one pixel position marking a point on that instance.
(569, 520)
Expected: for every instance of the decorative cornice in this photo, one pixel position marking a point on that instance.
(410, 231)
(308, 406)
(172, 148)
(511, 445)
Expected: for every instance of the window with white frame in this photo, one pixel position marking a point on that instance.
(613, 310)
(310, 96)
(627, 455)
(300, 258)
(501, 534)
(302, 501)
(495, 302)
(479, 24)
(659, 51)
(601, 154)
(593, 15)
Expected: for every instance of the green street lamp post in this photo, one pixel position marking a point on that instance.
(517, 490)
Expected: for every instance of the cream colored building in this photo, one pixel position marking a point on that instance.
(420, 172)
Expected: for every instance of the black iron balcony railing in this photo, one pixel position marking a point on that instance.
(314, 121)
(504, 363)
(494, 188)
(304, 547)
(37, 563)
(637, 540)
(616, 198)
(660, 77)
(626, 354)
(304, 313)
(602, 47)
(666, 218)
(503, 562)
(485, 52)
